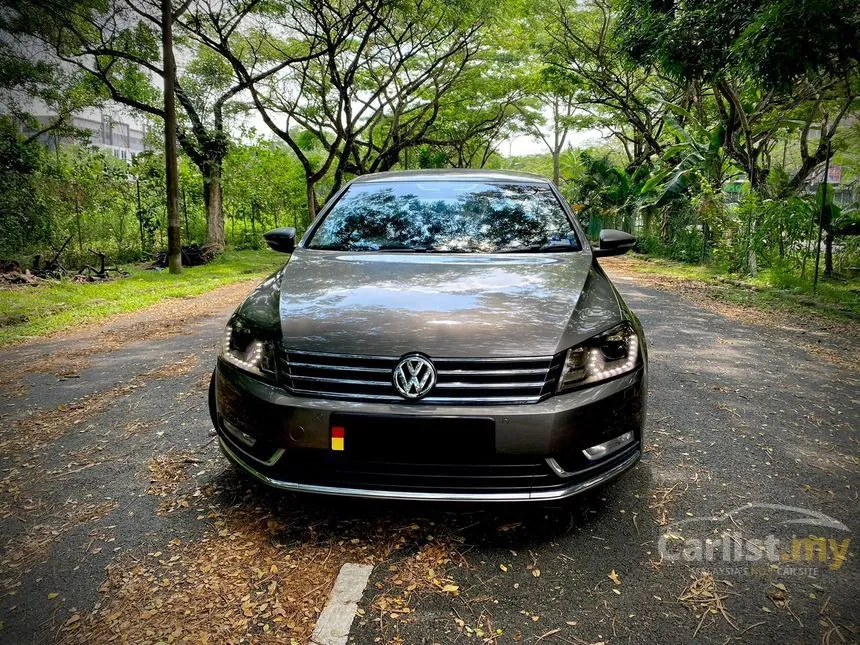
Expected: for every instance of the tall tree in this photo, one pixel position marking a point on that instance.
(626, 100)
(174, 245)
(771, 65)
(116, 43)
(489, 103)
(26, 79)
(557, 96)
(373, 86)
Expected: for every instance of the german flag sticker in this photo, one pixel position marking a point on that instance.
(337, 434)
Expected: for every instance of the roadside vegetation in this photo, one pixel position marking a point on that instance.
(29, 311)
(707, 129)
(837, 300)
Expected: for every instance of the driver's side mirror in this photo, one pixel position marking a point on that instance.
(282, 240)
(613, 242)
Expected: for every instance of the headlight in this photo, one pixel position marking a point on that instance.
(241, 349)
(605, 356)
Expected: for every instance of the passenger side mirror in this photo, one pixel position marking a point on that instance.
(614, 242)
(282, 240)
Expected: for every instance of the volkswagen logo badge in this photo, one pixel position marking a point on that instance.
(414, 376)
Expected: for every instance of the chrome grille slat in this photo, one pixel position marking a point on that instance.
(488, 372)
(495, 359)
(428, 399)
(375, 370)
(460, 381)
(340, 395)
(323, 379)
(488, 386)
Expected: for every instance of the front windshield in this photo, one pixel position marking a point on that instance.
(446, 217)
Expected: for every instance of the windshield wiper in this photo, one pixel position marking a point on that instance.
(407, 249)
(549, 247)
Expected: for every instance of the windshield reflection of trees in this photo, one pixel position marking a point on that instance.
(487, 219)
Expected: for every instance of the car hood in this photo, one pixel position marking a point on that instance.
(457, 305)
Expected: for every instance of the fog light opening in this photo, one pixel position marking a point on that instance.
(608, 447)
(242, 437)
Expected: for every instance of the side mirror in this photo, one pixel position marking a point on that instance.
(614, 242)
(282, 240)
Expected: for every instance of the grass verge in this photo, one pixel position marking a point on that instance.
(837, 298)
(35, 311)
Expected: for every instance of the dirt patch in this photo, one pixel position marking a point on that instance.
(182, 367)
(136, 426)
(40, 428)
(168, 318)
(237, 588)
(849, 361)
(165, 319)
(14, 390)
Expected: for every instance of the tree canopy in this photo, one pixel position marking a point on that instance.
(690, 107)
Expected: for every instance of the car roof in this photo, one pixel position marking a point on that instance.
(453, 174)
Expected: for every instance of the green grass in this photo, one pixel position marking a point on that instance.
(837, 298)
(34, 311)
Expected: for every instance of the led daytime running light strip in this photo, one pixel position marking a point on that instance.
(596, 364)
(253, 354)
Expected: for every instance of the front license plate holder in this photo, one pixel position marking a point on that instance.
(416, 439)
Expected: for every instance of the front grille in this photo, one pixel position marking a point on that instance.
(459, 380)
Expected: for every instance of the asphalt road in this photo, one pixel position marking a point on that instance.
(118, 516)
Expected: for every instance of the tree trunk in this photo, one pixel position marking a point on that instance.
(78, 224)
(312, 201)
(174, 244)
(780, 242)
(185, 215)
(828, 254)
(556, 167)
(213, 198)
(140, 218)
(752, 263)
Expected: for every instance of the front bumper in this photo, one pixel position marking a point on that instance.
(535, 451)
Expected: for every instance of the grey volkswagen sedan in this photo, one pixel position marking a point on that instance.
(436, 335)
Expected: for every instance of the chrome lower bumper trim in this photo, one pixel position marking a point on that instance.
(555, 494)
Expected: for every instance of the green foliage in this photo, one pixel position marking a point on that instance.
(430, 157)
(23, 219)
(608, 196)
(263, 189)
(102, 203)
(776, 41)
(47, 197)
(690, 98)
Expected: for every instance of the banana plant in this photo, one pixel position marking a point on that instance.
(608, 195)
(697, 156)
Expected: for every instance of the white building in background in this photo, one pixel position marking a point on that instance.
(107, 130)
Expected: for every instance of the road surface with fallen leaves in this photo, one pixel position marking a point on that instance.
(120, 521)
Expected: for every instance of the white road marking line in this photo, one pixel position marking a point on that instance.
(336, 618)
